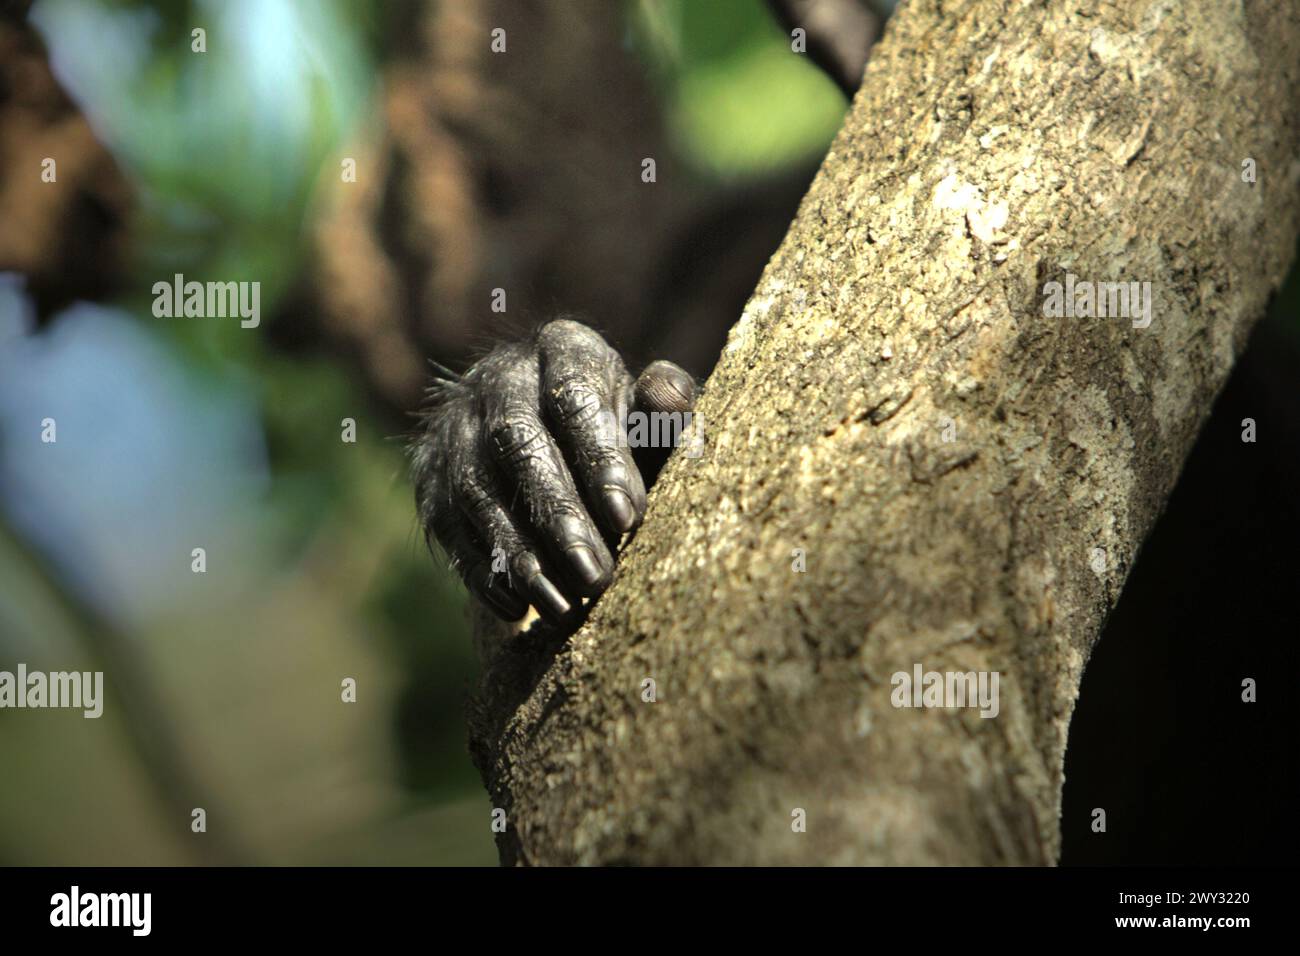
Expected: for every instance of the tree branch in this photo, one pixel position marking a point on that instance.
(970, 479)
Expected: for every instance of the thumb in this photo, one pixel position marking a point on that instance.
(664, 387)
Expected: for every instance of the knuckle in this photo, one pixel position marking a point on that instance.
(574, 401)
(476, 491)
(516, 435)
(502, 536)
(569, 333)
(524, 565)
(568, 523)
(501, 365)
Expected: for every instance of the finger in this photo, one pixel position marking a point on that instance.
(584, 396)
(478, 570)
(664, 387)
(514, 557)
(528, 455)
(662, 400)
(435, 460)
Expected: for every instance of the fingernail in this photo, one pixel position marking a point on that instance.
(548, 597)
(584, 562)
(619, 507)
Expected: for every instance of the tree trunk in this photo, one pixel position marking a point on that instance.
(968, 478)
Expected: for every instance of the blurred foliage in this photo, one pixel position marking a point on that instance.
(321, 572)
(739, 100)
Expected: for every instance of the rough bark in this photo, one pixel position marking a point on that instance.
(995, 145)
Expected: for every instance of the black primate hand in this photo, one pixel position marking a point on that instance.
(520, 474)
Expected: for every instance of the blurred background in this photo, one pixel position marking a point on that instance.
(473, 171)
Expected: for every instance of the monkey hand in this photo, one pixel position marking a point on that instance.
(523, 474)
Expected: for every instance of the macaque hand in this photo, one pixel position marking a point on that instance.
(523, 473)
